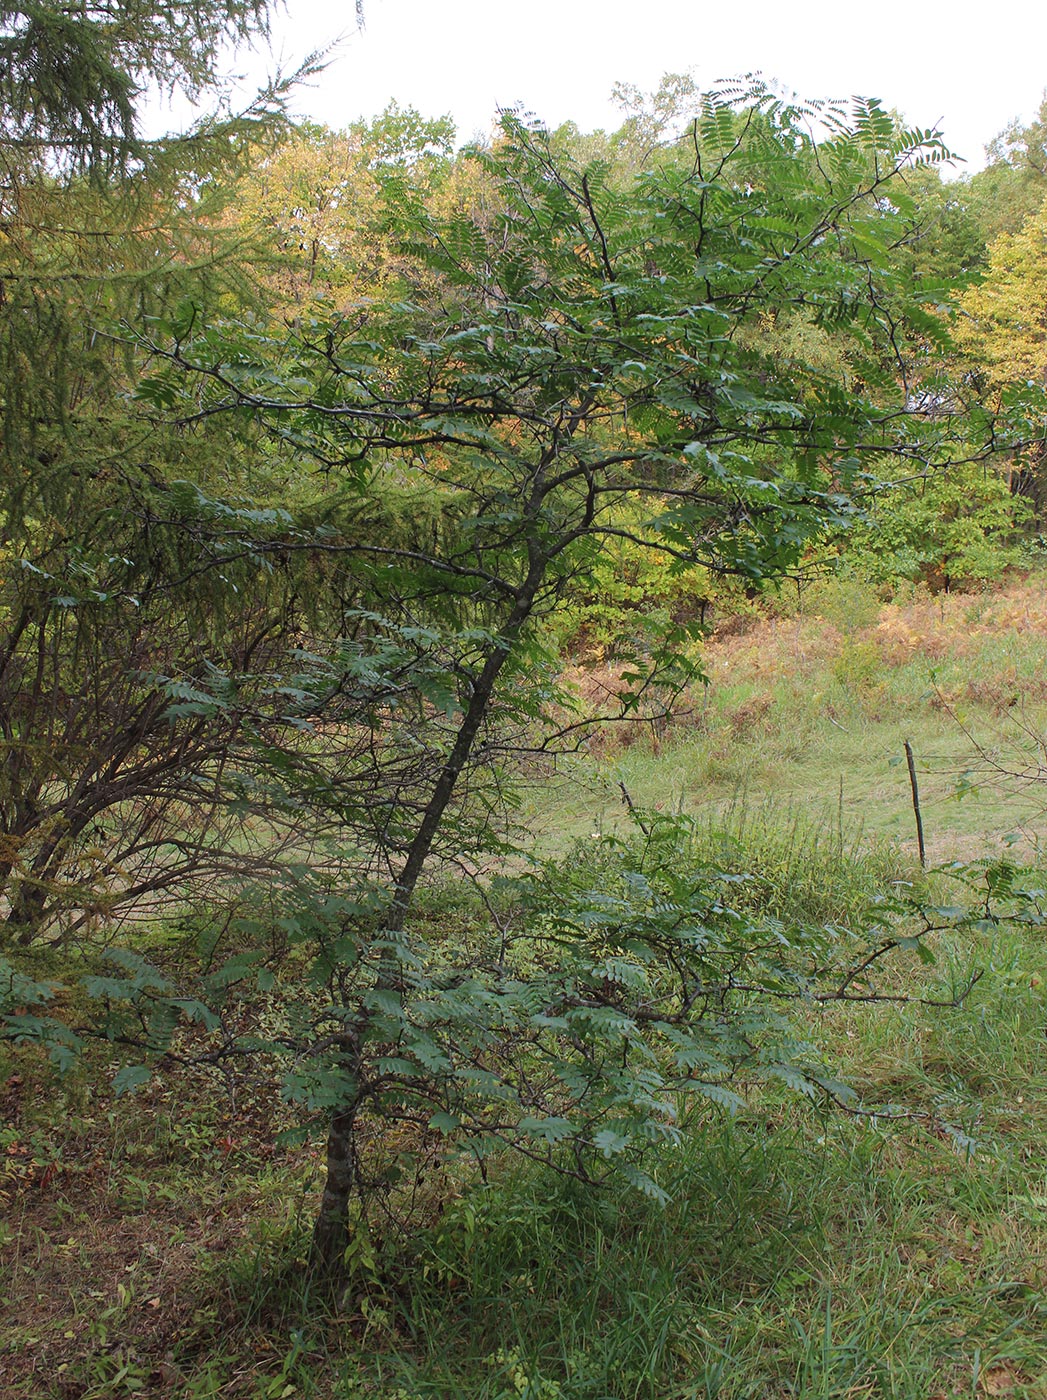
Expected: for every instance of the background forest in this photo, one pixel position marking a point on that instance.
(466, 613)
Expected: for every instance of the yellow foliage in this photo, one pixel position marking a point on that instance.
(795, 342)
(309, 206)
(1003, 320)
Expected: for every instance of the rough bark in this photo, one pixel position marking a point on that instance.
(331, 1231)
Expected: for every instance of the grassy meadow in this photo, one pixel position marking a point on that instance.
(157, 1252)
(807, 711)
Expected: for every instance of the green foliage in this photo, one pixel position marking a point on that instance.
(71, 78)
(100, 225)
(630, 591)
(958, 526)
(798, 1248)
(105, 601)
(795, 1243)
(565, 353)
(1012, 185)
(801, 869)
(313, 213)
(27, 1013)
(642, 982)
(583, 1035)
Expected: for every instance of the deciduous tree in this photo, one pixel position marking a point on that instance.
(580, 346)
(313, 208)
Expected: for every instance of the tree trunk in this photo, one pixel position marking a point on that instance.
(331, 1231)
(27, 912)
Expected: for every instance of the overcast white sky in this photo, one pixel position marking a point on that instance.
(972, 69)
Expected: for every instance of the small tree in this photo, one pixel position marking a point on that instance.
(576, 349)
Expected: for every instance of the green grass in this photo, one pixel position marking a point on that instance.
(812, 711)
(159, 1250)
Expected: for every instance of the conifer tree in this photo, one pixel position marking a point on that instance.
(99, 227)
